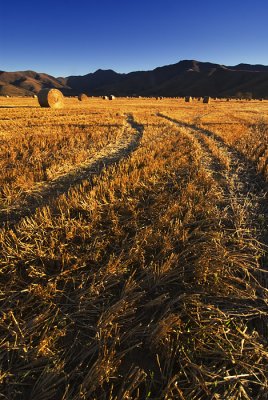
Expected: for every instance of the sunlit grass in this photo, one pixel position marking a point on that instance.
(142, 283)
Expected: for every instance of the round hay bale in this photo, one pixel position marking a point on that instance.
(51, 98)
(188, 99)
(111, 97)
(206, 99)
(105, 97)
(82, 97)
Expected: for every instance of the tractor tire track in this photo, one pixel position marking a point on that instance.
(244, 191)
(128, 142)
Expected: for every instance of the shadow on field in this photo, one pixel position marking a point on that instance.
(20, 107)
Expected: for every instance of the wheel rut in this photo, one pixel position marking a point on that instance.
(245, 197)
(41, 196)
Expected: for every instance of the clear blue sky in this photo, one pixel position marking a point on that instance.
(74, 37)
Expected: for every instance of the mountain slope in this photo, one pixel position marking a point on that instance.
(26, 83)
(188, 77)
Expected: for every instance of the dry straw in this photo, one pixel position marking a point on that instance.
(51, 98)
(82, 97)
(188, 99)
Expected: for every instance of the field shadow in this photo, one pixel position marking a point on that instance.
(20, 107)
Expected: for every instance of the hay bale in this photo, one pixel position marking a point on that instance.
(206, 99)
(105, 97)
(51, 98)
(111, 97)
(82, 97)
(188, 99)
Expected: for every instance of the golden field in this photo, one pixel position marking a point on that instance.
(133, 248)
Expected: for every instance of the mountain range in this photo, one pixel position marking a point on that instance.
(187, 77)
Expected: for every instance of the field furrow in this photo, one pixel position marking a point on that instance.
(39, 196)
(244, 193)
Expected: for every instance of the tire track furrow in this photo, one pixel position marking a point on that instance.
(245, 197)
(111, 154)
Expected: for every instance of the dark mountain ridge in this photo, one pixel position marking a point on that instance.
(187, 77)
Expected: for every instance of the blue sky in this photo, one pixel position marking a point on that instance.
(77, 37)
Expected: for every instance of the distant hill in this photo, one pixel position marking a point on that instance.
(26, 83)
(188, 77)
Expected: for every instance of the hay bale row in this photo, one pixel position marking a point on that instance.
(51, 98)
(188, 99)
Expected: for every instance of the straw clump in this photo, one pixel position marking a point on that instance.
(52, 98)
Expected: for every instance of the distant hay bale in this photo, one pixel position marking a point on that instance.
(111, 97)
(188, 99)
(206, 99)
(51, 98)
(82, 97)
(105, 97)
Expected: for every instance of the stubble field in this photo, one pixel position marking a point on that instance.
(133, 242)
